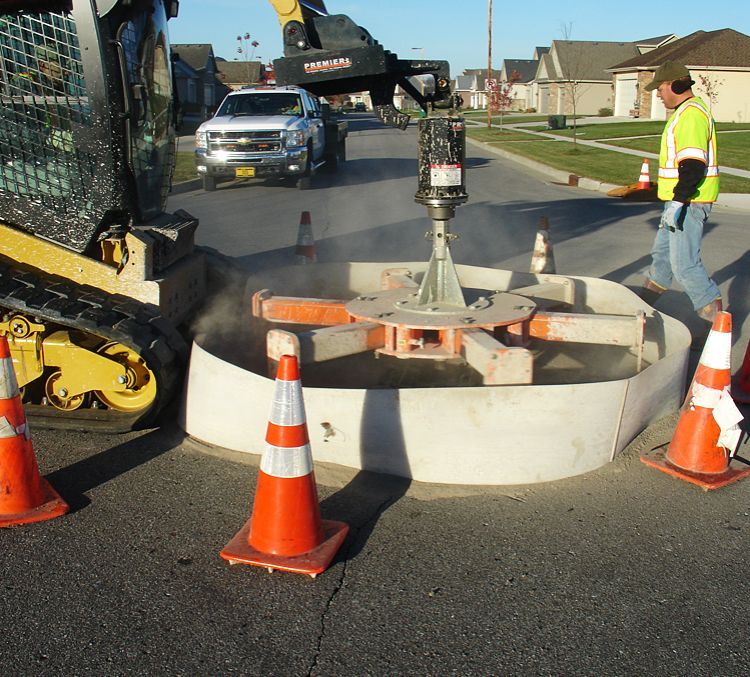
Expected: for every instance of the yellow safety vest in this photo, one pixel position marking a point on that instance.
(689, 133)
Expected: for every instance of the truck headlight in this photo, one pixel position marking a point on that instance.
(295, 138)
(200, 140)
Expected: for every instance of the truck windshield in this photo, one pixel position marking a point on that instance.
(262, 103)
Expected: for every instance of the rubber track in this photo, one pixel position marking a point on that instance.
(113, 317)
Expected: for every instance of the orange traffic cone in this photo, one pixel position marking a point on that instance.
(285, 530)
(741, 388)
(707, 433)
(25, 496)
(304, 252)
(543, 259)
(644, 181)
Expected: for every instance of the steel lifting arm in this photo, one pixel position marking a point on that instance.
(329, 54)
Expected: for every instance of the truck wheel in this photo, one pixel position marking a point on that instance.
(308, 162)
(209, 183)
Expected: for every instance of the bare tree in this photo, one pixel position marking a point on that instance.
(711, 88)
(572, 64)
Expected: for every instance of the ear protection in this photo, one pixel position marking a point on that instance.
(682, 86)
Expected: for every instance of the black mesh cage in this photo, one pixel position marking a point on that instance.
(47, 181)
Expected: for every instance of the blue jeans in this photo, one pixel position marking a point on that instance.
(678, 255)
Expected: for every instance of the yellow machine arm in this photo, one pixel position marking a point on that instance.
(330, 54)
(293, 10)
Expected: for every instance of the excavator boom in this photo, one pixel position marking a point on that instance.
(330, 54)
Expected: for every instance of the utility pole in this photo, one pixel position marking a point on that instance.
(489, 63)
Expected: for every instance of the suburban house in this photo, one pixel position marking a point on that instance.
(574, 75)
(239, 74)
(521, 91)
(198, 88)
(472, 86)
(465, 87)
(719, 62)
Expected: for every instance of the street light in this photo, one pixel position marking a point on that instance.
(420, 50)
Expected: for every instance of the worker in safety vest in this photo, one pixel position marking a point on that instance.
(689, 184)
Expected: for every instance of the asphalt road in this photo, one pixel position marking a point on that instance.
(622, 571)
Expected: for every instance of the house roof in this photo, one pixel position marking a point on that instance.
(194, 55)
(588, 60)
(233, 72)
(464, 83)
(482, 73)
(653, 42)
(546, 68)
(724, 48)
(525, 67)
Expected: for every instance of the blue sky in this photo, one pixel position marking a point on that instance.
(457, 30)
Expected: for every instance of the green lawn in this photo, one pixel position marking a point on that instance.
(184, 167)
(596, 163)
(481, 115)
(734, 148)
(616, 130)
(498, 134)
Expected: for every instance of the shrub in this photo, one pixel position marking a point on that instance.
(605, 112)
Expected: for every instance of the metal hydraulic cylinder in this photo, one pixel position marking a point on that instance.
(442, 187)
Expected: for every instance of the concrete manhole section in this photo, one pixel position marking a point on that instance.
(539, 377)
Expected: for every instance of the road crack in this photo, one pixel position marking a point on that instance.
(355, 535)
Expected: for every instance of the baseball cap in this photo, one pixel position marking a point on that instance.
(667, 72)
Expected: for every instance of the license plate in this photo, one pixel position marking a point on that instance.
(244, 171)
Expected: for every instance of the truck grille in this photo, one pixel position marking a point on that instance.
(244, 142)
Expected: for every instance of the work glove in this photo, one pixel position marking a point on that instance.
(673, 215)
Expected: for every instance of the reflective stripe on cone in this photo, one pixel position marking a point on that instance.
(285, 530)
(25, 496)
(697, 452)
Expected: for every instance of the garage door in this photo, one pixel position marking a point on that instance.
(626, 95)
(543, 99)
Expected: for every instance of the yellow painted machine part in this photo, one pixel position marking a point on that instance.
(287, 10)
(81, 370)
(175, 292)
(117, 375)
(132, 281)
(139, 389)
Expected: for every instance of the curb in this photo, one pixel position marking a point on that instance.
(738, 201)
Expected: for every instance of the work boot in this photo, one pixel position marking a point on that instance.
(650, 292)
(708, 313)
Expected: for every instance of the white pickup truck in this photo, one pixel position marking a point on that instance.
(268, 131)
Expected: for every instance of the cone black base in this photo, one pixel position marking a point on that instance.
(53, 506)
(314, 562)
(657, 459)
